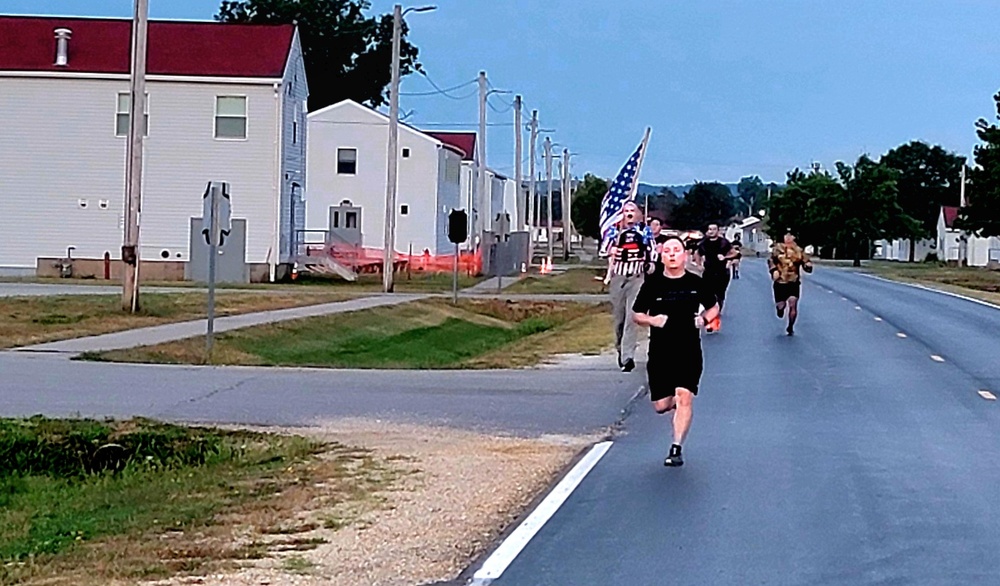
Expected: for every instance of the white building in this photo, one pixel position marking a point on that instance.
(750, 230)
(348, 168)
(961, 247)
(225, 102)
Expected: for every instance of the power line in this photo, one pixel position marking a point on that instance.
(439, 91)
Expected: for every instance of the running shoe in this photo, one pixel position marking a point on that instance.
(674, 457)
(790, 331)
(717, 324)
(780, 311)
(628, 366)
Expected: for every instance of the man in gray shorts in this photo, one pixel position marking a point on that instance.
(629, 258)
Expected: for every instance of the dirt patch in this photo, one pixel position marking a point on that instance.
(459, 491)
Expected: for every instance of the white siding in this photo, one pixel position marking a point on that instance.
(350, 125)
(449, 196)
(295, 92)
(58, 146)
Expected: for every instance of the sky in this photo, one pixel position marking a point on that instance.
(729, 87)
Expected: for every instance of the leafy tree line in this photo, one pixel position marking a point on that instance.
(347, 54)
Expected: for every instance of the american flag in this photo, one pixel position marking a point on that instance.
(622, 190)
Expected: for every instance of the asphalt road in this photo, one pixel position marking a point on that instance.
(845, 455)
(571, 400)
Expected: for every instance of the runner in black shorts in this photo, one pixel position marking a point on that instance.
(786, 263)
(669, 304)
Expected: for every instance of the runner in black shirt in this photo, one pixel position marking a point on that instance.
(716, 252)
(669, 303)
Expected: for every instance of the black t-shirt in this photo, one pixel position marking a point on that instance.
(678, 299)
(710, 251)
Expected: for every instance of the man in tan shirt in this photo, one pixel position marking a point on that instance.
(785, 263)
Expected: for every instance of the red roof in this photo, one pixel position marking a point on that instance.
(463, 141)
(950, 215)
(103, 45)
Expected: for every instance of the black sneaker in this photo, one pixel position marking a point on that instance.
(780, 311)
(790, 331)
(628, 366)
(674, 457)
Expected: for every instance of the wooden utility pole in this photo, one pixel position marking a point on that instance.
(548, 178)
(392, 177)
(484, 195)
(565, 203)
(133, 158)
(532, 204)
(519, 204)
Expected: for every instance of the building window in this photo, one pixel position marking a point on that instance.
(295, 132)
(122, 114)
(406, 153)
(336, 219)
(404, 210)
(231, 117)
(347, 161)
(351, 220)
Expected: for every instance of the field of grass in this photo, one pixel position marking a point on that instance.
(34, 320)
(977, 282)
(87, 502)
(424, 334)
(572, 281)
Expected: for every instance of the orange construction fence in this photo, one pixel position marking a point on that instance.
(366, 260)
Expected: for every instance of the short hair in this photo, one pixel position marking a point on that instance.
(677, 238)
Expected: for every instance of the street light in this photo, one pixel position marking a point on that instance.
(393, 150)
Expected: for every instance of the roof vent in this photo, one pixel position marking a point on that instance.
(62, 46)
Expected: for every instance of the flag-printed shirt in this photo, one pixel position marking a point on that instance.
(786, 260)
(632, 250)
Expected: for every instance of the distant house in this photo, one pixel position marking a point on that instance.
(348, 174)
(226, 102)
(750, 230)
(962, 247)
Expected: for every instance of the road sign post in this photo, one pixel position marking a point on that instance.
(458, 232)
(216, 225)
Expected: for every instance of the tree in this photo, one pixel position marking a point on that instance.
(347, 55)
(982, 216)
(928, 177)
(750, 192)
(663, 204)
(796, 208)
(704, 204)
(586, 210)
(870, 208)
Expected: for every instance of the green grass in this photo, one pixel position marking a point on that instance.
(424, 334)
(68, 511)
(583, 280)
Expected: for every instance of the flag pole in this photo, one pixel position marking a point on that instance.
(638, 165)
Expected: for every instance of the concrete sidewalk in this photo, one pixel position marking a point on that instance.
(183, 330)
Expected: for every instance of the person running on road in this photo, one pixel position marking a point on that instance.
(734, 264)
(785, 262)
(670, 304)
(716, 252)
(629, 259)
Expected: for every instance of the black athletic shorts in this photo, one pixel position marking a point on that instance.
(666, 373)
(782, 291)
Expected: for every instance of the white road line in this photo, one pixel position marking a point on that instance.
(858, 307)
(987, 395)
(900, 335)
(933, 290)
(878, 319)
(936, 358)
(843, 298)
(502, 557)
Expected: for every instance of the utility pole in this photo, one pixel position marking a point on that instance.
(520, 204)
(567, 205)
(548, 178)
(484, 195)
(532, 204)
(389, 241)
(133, 158)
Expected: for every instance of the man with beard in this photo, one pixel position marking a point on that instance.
(629, 258)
